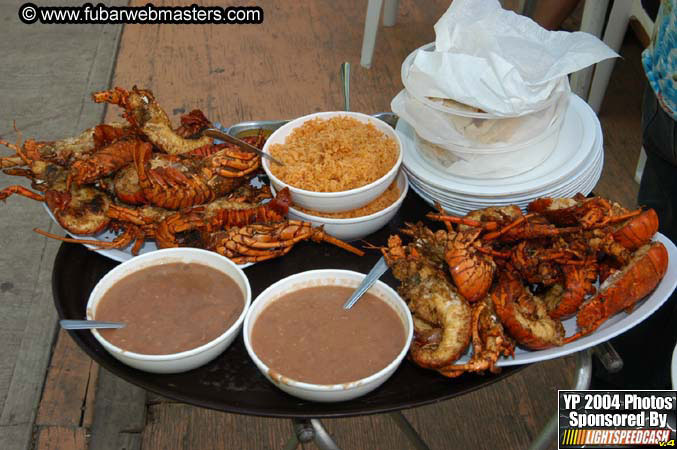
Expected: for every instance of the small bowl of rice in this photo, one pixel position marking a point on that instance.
(334, 161)
(361, 222)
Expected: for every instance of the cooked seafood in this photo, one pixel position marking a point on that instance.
(523, 314)
(436, 304)
(64, 152)
(523, 274)
(489, 342)
(106, 161)
(624, 288)
(174, 183)
(471, 269)
(259, 242)
(144, 113)
(218, 215)
(145, 180)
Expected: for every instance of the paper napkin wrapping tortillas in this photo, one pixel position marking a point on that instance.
(498, 61)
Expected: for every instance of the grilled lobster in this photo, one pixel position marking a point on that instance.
(624, 288)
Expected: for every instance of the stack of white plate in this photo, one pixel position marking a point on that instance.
(574, 166)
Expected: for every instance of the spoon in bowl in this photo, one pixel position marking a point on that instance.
(374, 274)
(218, 134)
(88, 324)
(381, 267)
(345, 79)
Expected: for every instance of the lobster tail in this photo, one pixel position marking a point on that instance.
(107, 160)
(625, 287)
(471, 270)
(192, 124)
(578, 282)
(523, 315)
(638, 230)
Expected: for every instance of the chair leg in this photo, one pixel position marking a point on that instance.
(371, 23)
(640, 165)
(390, 12)
(613, 37)
(594, 12)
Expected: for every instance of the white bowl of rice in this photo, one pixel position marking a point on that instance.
(334, 161)
(361, 222)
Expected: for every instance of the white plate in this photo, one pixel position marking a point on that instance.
(570, 184)
(463, 206)
(575, 149)
(585, 174)
(116, 254)
(614, 326)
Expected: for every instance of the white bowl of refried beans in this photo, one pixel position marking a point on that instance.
(334, 161)
(305, 343)
(183, 307)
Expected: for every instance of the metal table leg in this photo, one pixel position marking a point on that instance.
(611, 361)
(582, 381)
(311, 430)
(292, 443)
(408, 430)
(307, 430)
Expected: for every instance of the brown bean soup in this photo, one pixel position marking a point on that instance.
(170, 308)
(306, 335)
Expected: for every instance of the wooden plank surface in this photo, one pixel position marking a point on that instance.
(119, 414)
(66, 386)
(47, 73)
(90, 396)
(284, 68)
(61, 438)
(179, 426)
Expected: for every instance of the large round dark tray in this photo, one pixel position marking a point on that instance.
(231, 382)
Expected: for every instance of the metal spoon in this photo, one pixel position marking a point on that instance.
(88, 324)
(381, 267)
(345, 78)
(218, 134)
(374, 274)
(388, 117)
(259, 125)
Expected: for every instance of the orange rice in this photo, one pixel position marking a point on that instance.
(380, 203)
(334, 155)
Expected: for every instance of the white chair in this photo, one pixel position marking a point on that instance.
(594, 12)
(371, 26)
(583, 82)
(390, 7)
(593, 87)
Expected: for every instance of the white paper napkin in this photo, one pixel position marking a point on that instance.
(499, 61)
